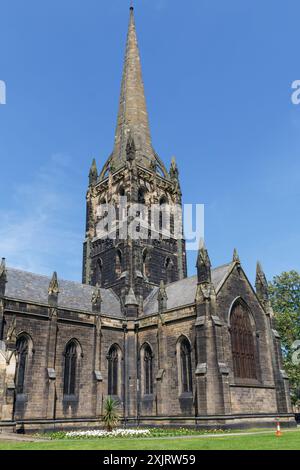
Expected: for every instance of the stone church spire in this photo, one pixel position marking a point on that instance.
(132, 116)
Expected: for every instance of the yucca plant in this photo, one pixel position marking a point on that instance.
(111, 414)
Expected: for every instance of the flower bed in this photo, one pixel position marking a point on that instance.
(133, 433)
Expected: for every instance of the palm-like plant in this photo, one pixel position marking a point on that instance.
(111, 415)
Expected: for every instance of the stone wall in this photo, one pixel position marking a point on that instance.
(253, 400)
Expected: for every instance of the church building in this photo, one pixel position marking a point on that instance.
(174, 350)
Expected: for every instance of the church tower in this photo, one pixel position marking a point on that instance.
(133, 171)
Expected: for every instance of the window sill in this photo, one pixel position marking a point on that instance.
(115, 398)
(148, 397)
(70, 398)
(186, 396)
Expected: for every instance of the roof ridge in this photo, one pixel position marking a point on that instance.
(222, 266)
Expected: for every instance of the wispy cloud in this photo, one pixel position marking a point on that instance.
(39, 233)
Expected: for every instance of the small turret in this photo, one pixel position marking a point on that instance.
(3, 276)
(174, 173)
(261, 284)
(203, 265)
(162, 297)
(93, 175)
(131, 304)
(96, 299)
(53, 291)
(236, 258)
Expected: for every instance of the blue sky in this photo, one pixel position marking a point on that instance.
(218, 78)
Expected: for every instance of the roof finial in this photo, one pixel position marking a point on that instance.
(131, 5)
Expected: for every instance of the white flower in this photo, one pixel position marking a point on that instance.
(114, 433)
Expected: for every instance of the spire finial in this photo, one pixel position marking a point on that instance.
(162, 297)
(3, 276)
(131, 5)
(93, 175)
(236, 258)
(96, 299)
(261, 284)
(53, 291)
(203, 264)
(53, 286)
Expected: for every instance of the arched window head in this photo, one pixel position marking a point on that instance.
(119, 262)
(169, 265)
(147, 369)
(22, 349)
(122, 192)
(186, 382)
(114, 370)
(70, 370)
(242, 342)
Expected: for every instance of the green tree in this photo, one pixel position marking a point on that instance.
(111, 414)
(285, 298)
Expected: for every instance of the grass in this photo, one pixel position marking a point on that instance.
(289, 441)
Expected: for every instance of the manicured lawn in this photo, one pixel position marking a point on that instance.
(289, 441)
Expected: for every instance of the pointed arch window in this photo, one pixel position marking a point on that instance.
(99, 272)
(186, 366)
(145, 263)
(70, 370)
(22, 348)
(243, 344)
(113, 370)
(163, 214)
(147, 358)
(141, 196)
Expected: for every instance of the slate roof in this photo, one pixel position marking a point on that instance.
(25, 286)
(183, 292)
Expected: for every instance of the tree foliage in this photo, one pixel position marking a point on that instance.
(285, 298)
